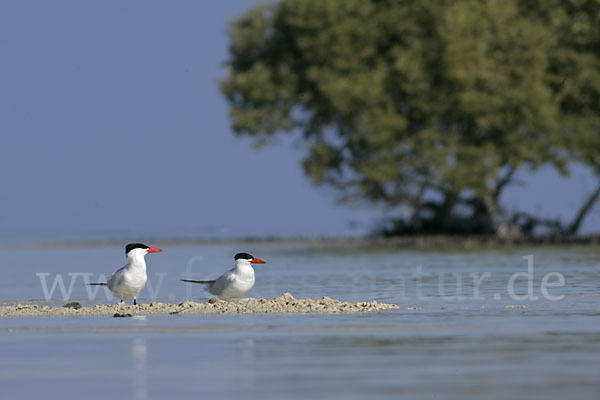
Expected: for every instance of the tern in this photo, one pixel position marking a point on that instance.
(235, 283)
(128, 281)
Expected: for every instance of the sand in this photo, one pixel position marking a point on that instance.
(285, 303)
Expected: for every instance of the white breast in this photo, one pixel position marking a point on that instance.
(234, 284)
(127, 283)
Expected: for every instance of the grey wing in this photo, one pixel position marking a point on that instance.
(115, 278)
(222, 282)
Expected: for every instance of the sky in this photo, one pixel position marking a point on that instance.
(111, 123)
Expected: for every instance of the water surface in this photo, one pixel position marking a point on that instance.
(444, 342)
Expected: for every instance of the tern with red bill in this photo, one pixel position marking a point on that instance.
(235, 283)
(128, 281)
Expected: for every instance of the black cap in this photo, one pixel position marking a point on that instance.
(132, 246)
(243, 256)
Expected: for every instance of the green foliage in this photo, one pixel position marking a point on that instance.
(400, 101)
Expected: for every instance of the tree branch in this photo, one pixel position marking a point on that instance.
(585, 209)
(505, 180)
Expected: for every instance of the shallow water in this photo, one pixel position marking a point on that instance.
(452, 338)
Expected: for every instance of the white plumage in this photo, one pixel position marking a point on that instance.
(235, 283)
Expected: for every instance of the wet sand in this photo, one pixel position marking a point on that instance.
(285, 303)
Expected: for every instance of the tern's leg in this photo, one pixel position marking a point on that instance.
(134, 302)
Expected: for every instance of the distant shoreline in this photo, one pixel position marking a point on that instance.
(413, 241)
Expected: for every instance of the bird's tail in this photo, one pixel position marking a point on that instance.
(200, 282)
(98, 284)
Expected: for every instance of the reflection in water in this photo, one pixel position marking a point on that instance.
(139, 358)
(246, 356)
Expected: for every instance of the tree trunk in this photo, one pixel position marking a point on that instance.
(504, 226)
(585, 209)
(444, 213)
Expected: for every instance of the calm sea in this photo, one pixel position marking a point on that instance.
(496, 324)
